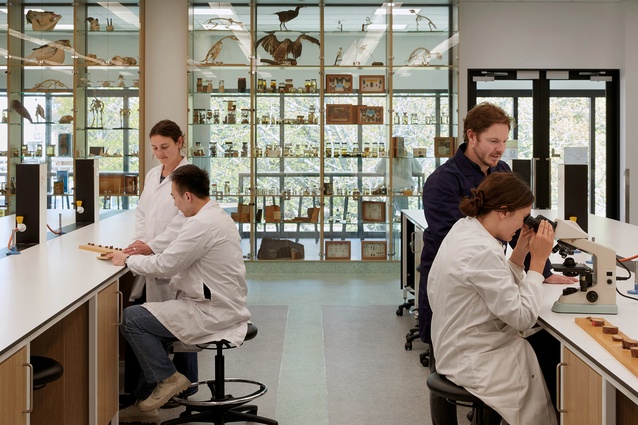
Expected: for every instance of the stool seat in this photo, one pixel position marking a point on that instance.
(45, 370)
(455, 394)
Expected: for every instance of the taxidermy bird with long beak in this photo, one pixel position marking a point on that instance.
(17, 106)
(216, 49)
(279, 50)
(50, 54)
(42, 21)
(287, 16)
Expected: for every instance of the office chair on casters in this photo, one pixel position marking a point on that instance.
(223, 408)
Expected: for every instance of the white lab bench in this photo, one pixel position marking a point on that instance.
(60, 301)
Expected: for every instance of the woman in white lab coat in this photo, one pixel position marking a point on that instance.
(155, 213)
(482, 302)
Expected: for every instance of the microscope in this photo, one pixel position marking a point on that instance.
(597, 285)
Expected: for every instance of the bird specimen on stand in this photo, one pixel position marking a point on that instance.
(227, 22)
(279, 50)
(339, 56)
(50, 54)
(216, 49)
(421, 17)
(17, 106)
(39, 113)
(42, 21)
(287, 16)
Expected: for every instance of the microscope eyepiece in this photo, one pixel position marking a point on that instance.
(533, 223)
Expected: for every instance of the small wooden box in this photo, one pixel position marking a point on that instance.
(273, 214)
(242, 215)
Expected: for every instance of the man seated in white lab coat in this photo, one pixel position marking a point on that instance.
(207, 269)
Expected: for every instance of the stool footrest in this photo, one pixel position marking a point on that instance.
(227, 401)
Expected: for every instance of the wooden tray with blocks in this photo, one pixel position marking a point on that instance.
(612, 342)
(102, 249)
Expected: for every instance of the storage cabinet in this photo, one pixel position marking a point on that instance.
(71, 90)
(14, 389)
(324, 107)
(109, 305)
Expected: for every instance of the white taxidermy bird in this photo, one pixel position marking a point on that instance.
(39, 113)
(42, 21)
(17, 106)
(51, 53)
(216, 49)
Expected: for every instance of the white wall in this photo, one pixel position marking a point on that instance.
(165, 84)
(558, 35)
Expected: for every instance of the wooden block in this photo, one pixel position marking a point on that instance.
(610, 342)
(99, 248)
(634, 352)
(610, 329)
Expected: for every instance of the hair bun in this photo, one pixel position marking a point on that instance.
(478, 198)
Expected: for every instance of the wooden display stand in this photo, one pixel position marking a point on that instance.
(273, 214)
(614, 348)
(313, 217)
(242, 215)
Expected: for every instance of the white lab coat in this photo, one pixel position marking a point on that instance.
(206, 251)
(481, 303)
(155, 211)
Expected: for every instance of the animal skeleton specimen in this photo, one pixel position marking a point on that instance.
(212, 23)
(50, 54)
(216, 49)
(420, 17)
(421, 56)
(97, 112)
(279, 50)
(42, 21)
(50, 85)
(287, 16)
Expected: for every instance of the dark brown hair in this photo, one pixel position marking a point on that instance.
(191, 178)
(167, 128)
(503, 191)
(482, 116)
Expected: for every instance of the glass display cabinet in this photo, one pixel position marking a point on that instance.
(71, 91)
(319, 122)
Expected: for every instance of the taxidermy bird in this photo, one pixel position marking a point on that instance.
(94, 23)
(42, 21)
(287, 16)
(52, 53)
(279, 50)
(216, 49)
(422, 56)
(421, 17)
(39, 113)
(339, 55)
(17, 106)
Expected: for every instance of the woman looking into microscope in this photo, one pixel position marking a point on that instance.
(483, 302)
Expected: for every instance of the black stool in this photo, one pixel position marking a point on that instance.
(223, 408)
(454, 394)
(45, 370)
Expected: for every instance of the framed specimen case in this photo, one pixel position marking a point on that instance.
(373, 211)
(338, 83)
(372, 83)
(337, 250)
(443, 147)
(374, 250)
(370, 114)
(340, 114)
